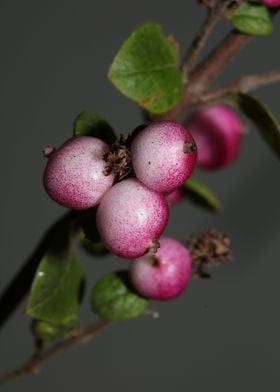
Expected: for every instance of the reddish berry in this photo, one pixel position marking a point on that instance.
(163, 156)
(271, 3)
(217, 130)
(131, 217)
(165, 275)
(74, 173)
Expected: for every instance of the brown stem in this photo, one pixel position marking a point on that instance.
(215, 63)
(208, 71)
(199, 42)
(216, 10)
(242, 85)
(33, 364)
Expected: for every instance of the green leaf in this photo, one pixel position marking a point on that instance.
(56, 288)
(113, 298)
(252, 18)
(146, 69)
(46, 331)
(90, 124)
(201, 194)
(267, 124)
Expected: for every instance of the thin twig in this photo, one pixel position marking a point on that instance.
(218, 59)
(205, 74)
(33, 364)
(242, 85)
(216, 10)
(199, 42)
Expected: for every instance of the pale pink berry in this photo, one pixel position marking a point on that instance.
(176, 197)
(271, 3)
(74, 174)
(131, 217)
(165, 275)
(163, 156)
(217, 132)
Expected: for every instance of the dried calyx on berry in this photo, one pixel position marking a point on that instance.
(119, 158)
(209, 248)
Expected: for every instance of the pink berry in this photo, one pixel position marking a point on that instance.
(74, 173)
(176, 196)
(217, 131)
(131, 217)
(271, 3)
(163, 156)
(165, 275)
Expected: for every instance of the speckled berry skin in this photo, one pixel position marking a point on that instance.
(74, 173)
(160, 156)
(271, 3)
(166, 276)
(130, 217)
(217, 132)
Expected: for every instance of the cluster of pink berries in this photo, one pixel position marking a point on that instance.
(132, 213)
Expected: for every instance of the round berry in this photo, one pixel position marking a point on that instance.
(74, 174)
(165, 275)
(163, 156)
(131, 217)
(271, 3)
(217, 131)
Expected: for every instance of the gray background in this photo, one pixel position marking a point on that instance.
(223, 334)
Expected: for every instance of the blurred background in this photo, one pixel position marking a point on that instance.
(223, 333)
